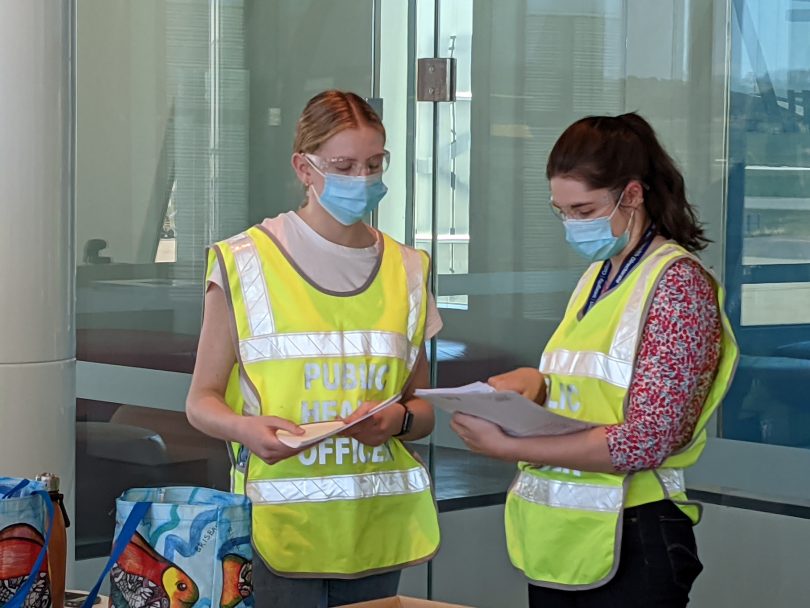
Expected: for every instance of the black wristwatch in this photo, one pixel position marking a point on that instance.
(407, 422)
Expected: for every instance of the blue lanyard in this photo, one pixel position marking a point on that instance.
(628, 265)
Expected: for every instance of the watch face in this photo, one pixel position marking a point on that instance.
(407, 422)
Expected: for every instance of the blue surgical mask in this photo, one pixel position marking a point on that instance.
(594, 239)
(349, 198)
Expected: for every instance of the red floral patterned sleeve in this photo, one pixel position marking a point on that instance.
(676, 365)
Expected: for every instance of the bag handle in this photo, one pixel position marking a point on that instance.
(124, 536)
(15, 489)
(18, 599)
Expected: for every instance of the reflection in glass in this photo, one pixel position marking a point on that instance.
(768, 246)
(123, 446)
(185, 117)
(162, 163)
(526, 70)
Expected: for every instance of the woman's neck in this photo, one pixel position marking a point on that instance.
(356, 236)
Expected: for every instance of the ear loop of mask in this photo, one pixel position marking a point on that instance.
(319, 172)
(632, 211)
(618, 204)
(616, 208)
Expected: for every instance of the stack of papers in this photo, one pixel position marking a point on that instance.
(315, 432)
(515, 414)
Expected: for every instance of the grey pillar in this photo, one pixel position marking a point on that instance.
(37, 343)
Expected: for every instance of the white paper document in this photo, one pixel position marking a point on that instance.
(515, 414)
(315, 432)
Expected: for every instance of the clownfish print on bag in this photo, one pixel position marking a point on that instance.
(237, 580)
(20, 544)
(141, 578)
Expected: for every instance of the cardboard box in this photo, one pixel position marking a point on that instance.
(400, 601)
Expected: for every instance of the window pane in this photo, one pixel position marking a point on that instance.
(162, 170)
(526, 71)
(776, 223)
(768, 239)
(775, 304)
(186, 111)
(186, 115)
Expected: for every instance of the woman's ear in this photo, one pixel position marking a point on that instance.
(302, 168)
(633, 195)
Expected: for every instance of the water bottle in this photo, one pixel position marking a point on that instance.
(57, 547)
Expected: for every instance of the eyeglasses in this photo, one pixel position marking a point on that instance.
(581, 211)
(589, 210)
(350, 166)
(586, 210)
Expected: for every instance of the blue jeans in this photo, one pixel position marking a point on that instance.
(270, 589)
(658, 564)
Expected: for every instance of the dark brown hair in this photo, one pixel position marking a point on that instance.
(329, 113)
(608, 152)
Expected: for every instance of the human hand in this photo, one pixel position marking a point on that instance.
(527, 381)
(482, 436)
(258, 434)
(377, 429)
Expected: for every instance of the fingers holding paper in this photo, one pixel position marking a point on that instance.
(482, 436)
(525, 381)
(258, 434)
(378, 428)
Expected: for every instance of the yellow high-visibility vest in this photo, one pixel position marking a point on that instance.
(563, 527)
(340, 508)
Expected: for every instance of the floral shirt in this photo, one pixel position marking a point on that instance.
(675, 368)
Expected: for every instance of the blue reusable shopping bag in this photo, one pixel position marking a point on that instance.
(180, 547)
(26, 515)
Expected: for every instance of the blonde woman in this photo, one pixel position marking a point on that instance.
(314, 315)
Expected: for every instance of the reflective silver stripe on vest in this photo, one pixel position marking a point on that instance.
(568, 495)
(589, 365)
(416, 288)
(254, 288)
(672, 480)
(625, 340)
(615, 366)
(251, 405)
(325, 344)
(337, 487)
